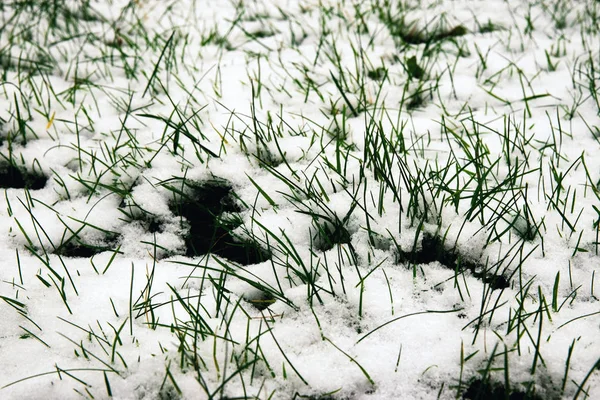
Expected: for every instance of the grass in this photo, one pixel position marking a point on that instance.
(264, 176)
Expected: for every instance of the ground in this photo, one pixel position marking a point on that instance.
(297, 199)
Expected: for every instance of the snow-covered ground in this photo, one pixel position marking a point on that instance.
(298, 199)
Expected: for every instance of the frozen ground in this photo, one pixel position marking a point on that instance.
(299, 199)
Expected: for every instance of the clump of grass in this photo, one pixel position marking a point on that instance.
(203, 204)
(413, 69)
(454, 32)
(410, 33)
(37, 63)
(377, 74)
(489, 26)
(260, 34)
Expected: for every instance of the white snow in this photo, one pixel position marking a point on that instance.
(502, 140)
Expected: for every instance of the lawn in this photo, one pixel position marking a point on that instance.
(299, 199)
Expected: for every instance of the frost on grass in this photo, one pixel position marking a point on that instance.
(299, 199)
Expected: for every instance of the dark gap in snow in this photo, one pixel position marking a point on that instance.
(433, 249)
(328, 396)
(414, 70)
(265, 157)
(148, 221)
(154, 226)
(170, 393)
(377, 74)
(480, 389)
(409, 33)
(13, 177)
(34, 65)
(416, 100)
(261, 301)
(202, 207)
(454, 32)
(329, 233)
(75, 247)
(416, 36)
(490, 26)
(260, 34)
(2, 129)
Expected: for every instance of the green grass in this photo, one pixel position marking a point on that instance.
(384, 140)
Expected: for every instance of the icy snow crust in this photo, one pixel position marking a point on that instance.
(360, 170)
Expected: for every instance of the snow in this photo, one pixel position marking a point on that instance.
(350, 320)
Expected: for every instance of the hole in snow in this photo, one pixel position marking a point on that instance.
(329, 231)
(76, 247)
(203, 204)
(433, 249)
(260, 300)
(14, 177)
(485, 390)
